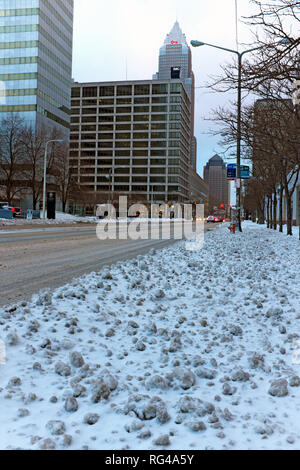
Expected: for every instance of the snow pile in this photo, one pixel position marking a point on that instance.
(61, 218)
(176, 349)
(295, 228)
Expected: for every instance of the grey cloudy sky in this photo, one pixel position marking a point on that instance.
(110, 34)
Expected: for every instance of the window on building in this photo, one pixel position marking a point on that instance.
(107, 91)
(123, 127)
(89, 92)
(124, 90)
(141, 100)
(175, 88)
(160, 89)
(124, 100)
(175, 73)
(142, 89)
(140, 127)
(76, 92)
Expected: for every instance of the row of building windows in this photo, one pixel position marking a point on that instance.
(32, 92)
(108, 101)
(135, 136)
(18, 108)
(132, 180)
(18, 60)
(18, 45)
(19, 12)
(32, 107)
(30, 45)
(127, 110)
(123, 90)
(142, 189)
(131, 118)
(35, 12)
(26, 28)
(138, 143)
(18, 92)
(127, 153)
(18, 76)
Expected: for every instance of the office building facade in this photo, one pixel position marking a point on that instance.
(215, 175)
(36, 61)
(131, 138)
(175, 62)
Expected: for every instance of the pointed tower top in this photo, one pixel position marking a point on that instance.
(176, 35)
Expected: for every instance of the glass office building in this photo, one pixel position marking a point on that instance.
(36, 39)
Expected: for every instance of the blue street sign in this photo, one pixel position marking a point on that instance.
(231, 171)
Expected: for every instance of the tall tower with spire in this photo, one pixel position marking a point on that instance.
(175, 62)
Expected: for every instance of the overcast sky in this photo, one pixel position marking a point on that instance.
(110, 34)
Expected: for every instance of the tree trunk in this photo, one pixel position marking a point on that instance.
(275, 211)
(281, 209)
(261, 212)
(289, 213)
(271, 211)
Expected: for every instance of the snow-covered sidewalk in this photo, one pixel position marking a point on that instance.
(176, 349)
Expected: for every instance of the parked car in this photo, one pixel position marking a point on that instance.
(17, 211)
(2, 204)
(210, 218)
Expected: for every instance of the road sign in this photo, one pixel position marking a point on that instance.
(245, 172)
(231, 171)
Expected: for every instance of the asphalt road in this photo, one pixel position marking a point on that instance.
(39, 258)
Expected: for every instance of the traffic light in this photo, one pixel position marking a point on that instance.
(222, 206)
(41, 205)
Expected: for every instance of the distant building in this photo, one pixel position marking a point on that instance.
(132, 138)
(175, 62)
(215, 175)
(199, 189)
(36, 61)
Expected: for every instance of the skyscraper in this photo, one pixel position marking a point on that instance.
(215, 175)
(175, 62)
(36, 61)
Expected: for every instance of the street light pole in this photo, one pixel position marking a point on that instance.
(240, 55)
(45, 175)
(239, 114)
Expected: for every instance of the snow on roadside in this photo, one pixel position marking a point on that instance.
(61, 218)
(176, 349)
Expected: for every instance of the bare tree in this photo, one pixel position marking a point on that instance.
(12, 157)
(33, 142)
(64, 181)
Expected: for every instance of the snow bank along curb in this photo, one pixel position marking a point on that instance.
(174, 349)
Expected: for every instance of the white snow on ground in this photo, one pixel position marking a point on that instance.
(176, 349)
(295, 230)
(61, 218)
